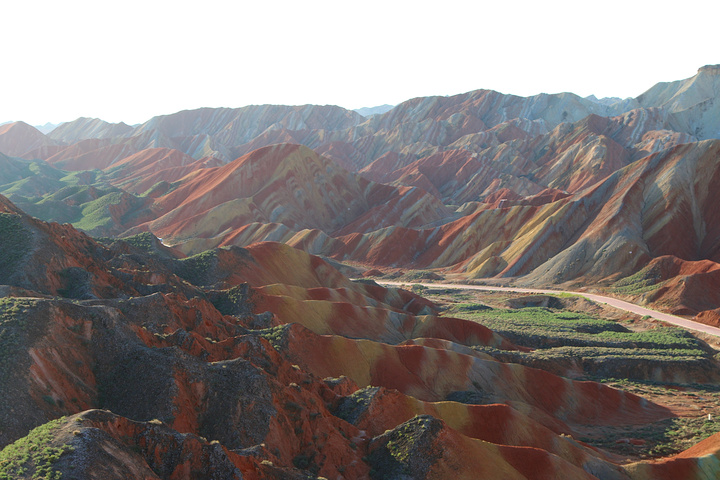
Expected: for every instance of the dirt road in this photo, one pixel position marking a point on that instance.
(613, 302)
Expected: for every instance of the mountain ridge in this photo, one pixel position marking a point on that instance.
(142, 361)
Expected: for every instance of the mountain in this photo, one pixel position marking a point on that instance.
(370, 111)
(19, 138)
(126, 359)
(650, 209)
(502, 203)
(139, 172)
(691, 103)
(47, 128)
(226, 129)
(416, 128)
(86, 128)
(176, 297)
(287, 184)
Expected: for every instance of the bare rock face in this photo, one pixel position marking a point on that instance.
(710, 69)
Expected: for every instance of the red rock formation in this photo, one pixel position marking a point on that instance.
(699, 461)
(287, 184)
(194, 391)
(139, 172)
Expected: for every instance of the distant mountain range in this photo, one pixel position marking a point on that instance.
(482, 184)
(370, 111)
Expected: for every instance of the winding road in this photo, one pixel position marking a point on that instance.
(613, 302)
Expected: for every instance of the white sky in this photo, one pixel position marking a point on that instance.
(130, 60)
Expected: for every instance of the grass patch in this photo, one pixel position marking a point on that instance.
(277, 336)
(646, 280)
(96, 213)
(534, 321)
(543, 327)
(75, 283)
(681, 434)
(567, 340)
(144, 241)
(34, 456)
(197, 269)
(233, 301)
(666, 437)
(53, 211)
(662, 439)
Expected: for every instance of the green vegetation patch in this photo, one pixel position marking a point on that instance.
(277, 336)
(96, 214)
(75, 283)
(198, 268)
(600, 359)
(646, 280)
(144, 241)
(52, 211)
(15, 243)
(233, 301)
(561, 339)
(34, 456)
(662, 439)
(540, 327)
(353, 407)
(536, 323)
(665, 437)
(421, 275)
(81, 177)
(407, 451)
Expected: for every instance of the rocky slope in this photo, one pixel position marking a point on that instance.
(287, 184)
(86, 128)
(18, 139)
(692, 103)
(550, 188)
(128, 360)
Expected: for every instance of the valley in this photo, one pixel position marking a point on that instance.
(479, 285)
(580, 338)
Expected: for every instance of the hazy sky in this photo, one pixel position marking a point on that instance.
(130, 60)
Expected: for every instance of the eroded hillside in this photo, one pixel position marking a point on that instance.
(267, 362)
(176, 301)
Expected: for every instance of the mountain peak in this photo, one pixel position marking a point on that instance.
(710, 69)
